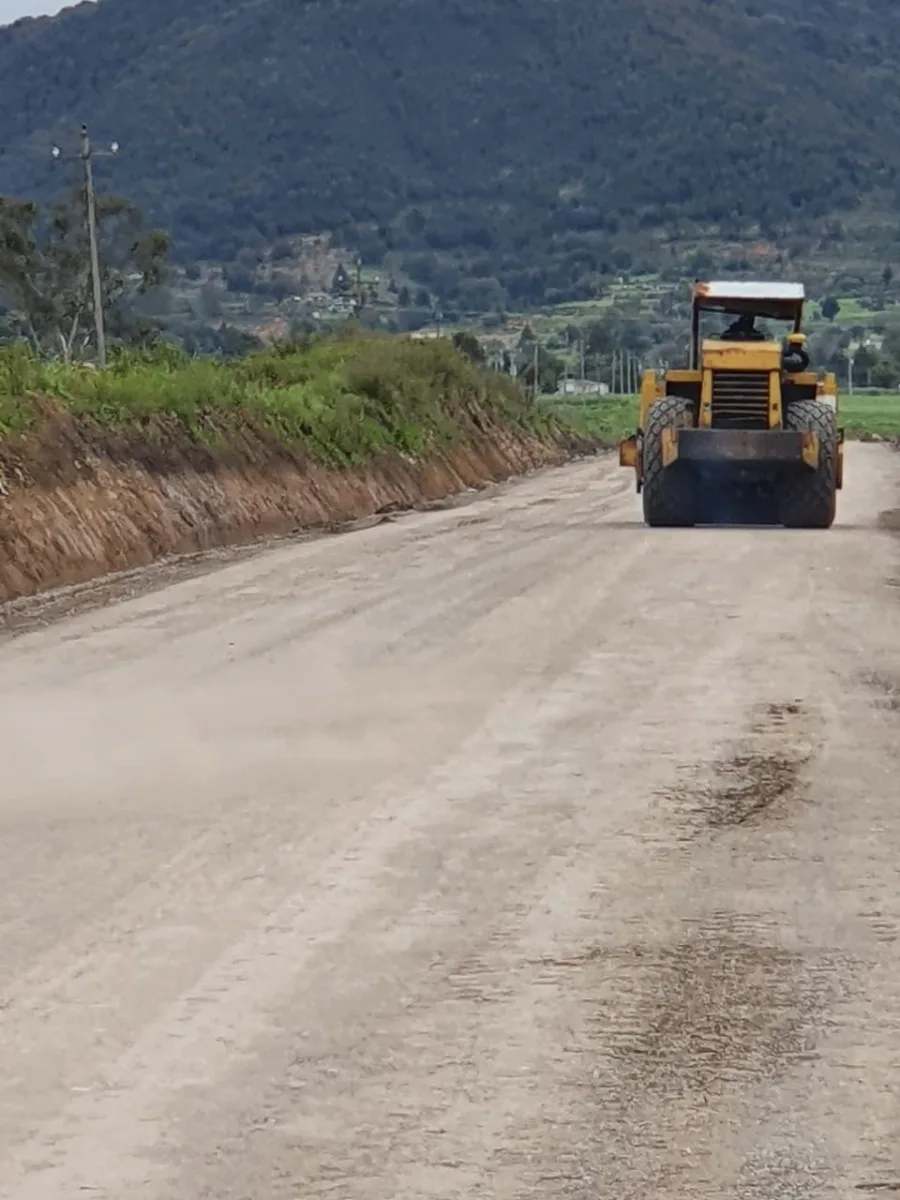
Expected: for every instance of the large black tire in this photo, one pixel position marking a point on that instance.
(669, 493)
(808, 499)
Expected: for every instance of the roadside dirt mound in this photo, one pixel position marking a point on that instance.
(77, 503)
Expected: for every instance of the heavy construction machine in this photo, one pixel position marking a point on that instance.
(747, 434)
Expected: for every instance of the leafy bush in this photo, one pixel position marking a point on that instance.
(339, 398)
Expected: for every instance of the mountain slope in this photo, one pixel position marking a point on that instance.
(521, 133)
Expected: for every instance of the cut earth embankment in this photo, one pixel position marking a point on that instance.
(157, 457)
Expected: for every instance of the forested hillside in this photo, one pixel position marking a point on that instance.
(500, 144)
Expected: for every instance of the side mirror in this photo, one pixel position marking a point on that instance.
(794, 355)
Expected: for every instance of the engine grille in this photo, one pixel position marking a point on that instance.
(740, 399)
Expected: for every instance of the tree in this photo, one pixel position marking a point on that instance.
(830, 308)
(45, 271)
(281, 285)
(605, 333)
(891, 346)
(864, 362)
(550, 369)
(239, 279)
(226, 340)
(236, 343)
(340, 283)
(210, 301)
(466, 343)
(885, 374)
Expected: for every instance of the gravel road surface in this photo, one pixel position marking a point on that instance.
(509, 851)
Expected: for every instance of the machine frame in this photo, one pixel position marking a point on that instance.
(745, 416)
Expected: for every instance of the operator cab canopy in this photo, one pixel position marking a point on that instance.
(776, 300)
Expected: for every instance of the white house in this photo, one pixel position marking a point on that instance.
(582, 387)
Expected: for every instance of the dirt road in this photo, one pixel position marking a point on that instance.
(511, 851)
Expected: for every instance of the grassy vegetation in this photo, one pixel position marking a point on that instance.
(870, 414)
(607, 418)
(342, 399)
(610, 418)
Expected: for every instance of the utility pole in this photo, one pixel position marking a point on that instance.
(581, 348)
(536, 368)
(86, 154)
(95, 254)
(359, 291)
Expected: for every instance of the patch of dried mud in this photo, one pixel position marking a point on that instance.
(678, 1032)
(685, 1022)
(761, 780)
(707, 1011)
(886, 688)
(748, 786)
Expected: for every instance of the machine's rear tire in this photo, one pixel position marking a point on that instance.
(669, 493)
(808, 500)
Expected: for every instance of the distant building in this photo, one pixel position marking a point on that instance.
(582, 387)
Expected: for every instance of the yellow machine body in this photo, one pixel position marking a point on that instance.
(745, 413)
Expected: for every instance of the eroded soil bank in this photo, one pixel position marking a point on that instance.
(77, 503)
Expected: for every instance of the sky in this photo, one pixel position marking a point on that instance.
(11, 10)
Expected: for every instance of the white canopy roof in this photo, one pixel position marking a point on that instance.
(775, 299)
(738, 289)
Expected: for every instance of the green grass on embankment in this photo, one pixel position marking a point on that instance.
(610, 418)
(342, 399)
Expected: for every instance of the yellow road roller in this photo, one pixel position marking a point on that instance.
(747, 433)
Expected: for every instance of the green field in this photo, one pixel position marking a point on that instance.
(865, 414)
(607, 418)
(613, 417)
